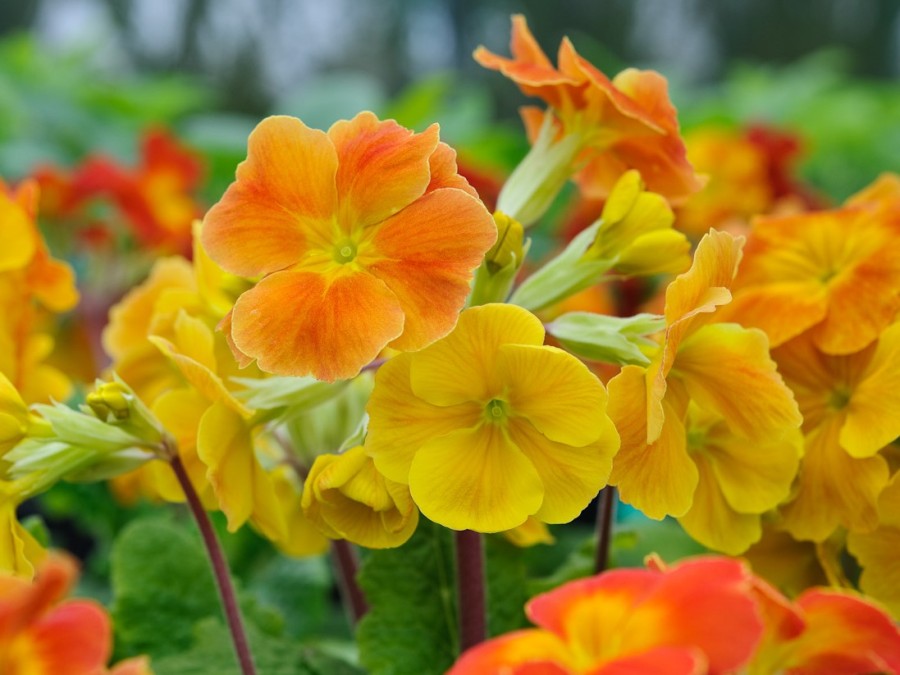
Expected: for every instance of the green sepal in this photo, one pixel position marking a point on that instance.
(610, 339)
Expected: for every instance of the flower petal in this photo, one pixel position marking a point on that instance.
(463, 366)
(834, 488)
(572, 477)
(300, 323)
(555, 392)
(727, 368)
(382, 168)
(712, 521)
(660, 478)
(283, 199)
(872, 419)
(475, 479)
(525, 651)
(426, 255)
(400, 422)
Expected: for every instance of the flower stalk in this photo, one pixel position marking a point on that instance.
(470, 589)
(219, 567)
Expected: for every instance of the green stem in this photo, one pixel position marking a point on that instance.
(605, 506)
(219, 568)
(470, 589)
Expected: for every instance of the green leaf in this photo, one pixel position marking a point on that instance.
(162, 585)
(610, 339)
(506, 587)
(298, 393)
(213, 653)
(411, 625)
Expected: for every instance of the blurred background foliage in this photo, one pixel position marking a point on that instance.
(85, 76)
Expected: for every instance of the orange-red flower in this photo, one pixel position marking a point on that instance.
(628, 122)
(156, 197)
(696, 617)
(41, 635)
(366, 237)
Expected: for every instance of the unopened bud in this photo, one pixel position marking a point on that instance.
(508, 248)
(110, 399)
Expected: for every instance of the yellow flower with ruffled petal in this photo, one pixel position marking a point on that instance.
(488, 426)
(724, 369)
(347, 498)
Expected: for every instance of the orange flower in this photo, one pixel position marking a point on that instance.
(698, 616)
(832, 272)
(39, 635)
(366, 235)
(628, 123)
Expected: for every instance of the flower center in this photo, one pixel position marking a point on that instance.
(495, 410)
(839, 398)
(345, 252)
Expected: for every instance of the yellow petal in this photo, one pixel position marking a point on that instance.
(572, 476)
(834, 489)
(659, 478)
(19, 238)
(475, 479)
(400, 422)
(555, 391)
(872, 419)
(712, 521)
(463, 365)
(727, 368)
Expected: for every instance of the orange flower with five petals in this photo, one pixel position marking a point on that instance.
(365, 236)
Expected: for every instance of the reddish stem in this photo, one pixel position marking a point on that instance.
(470, 589)
(347, 564)
(605, 506)
(220, 569)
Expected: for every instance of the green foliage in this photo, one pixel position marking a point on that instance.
(411, 625)
(507, 591)
(212, 653)
(162, 585)
(610, 339)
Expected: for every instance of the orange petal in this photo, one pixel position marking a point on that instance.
(800, 306)
(444, 171)
(282, 201)
(74, 638)
(844, 635)
(299, 323)
(862, 301)
(426, 255)
(523, 652)
(833, 488)
(382, 168)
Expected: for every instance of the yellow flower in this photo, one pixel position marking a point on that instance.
(877, 550)
(849, 404)
(487, 426)
(347, 498)
(738, 480)
(724, 369)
